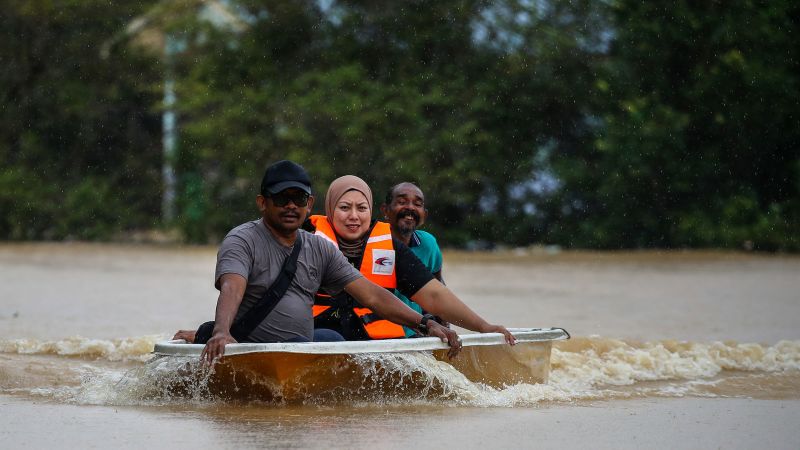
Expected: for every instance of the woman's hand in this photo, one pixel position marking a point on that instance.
(510, 339)
(446, 335)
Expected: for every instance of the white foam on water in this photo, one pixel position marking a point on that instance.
(598, 361)
(126, 349)
(416, 375)
(596, 367)
(581, 369)
(95, 387)
(159, 381)
(439, 381)
(601, 368)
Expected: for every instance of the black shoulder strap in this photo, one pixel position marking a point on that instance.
(241, 329)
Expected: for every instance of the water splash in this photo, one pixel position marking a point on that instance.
(127, 349)
(586, 362)
(581, 369)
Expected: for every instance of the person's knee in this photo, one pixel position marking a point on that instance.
(326, 335)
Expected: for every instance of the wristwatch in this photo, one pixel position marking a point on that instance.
(423, 323)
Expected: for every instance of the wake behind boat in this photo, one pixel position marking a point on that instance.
(299, 370)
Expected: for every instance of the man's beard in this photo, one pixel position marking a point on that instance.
(404, 229)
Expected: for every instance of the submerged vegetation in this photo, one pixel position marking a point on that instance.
(618, 124)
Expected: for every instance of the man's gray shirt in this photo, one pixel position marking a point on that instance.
(250, 250)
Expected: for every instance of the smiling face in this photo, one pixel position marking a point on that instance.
(406, 210)
(351, 216)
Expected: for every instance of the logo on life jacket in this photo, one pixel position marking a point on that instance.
(382, 262)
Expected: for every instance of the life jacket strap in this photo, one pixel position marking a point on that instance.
(343, 300)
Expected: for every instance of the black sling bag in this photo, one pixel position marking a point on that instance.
(242, 328)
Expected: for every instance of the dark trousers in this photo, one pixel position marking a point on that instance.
(321, 335)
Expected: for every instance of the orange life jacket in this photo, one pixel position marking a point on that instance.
(377, 265)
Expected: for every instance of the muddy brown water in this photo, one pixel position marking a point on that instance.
(669, 349)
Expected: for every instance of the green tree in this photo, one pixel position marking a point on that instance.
(698, 143)
(460, 96)
(69, 119)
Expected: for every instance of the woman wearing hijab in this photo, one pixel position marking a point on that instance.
(369, 246)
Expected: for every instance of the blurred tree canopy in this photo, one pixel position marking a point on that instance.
(79, 139)
(698, 143)
(618, 124)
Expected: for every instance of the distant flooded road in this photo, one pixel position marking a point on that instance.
(669, 349)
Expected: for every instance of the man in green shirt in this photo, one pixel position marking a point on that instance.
(405, 211)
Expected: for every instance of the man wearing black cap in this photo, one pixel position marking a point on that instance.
(252, 254)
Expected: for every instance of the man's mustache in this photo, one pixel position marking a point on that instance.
(409, 212)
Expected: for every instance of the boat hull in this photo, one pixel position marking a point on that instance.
(389, 367)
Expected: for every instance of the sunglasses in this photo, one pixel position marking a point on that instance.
(281, 199)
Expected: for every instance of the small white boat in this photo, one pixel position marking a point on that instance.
(295, 370)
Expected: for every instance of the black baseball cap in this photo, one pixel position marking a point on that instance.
(284, 175)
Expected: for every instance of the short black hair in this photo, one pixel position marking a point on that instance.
(390, 192)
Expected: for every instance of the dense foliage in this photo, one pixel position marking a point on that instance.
(699, 138)
(79, 139)
(621, 124)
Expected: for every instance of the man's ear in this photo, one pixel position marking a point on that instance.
(422, 217)
(261, 202)
(310, 203)
(385, 211)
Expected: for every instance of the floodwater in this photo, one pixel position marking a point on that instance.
(669, 350)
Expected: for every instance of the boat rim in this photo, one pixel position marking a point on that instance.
(523, 335)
